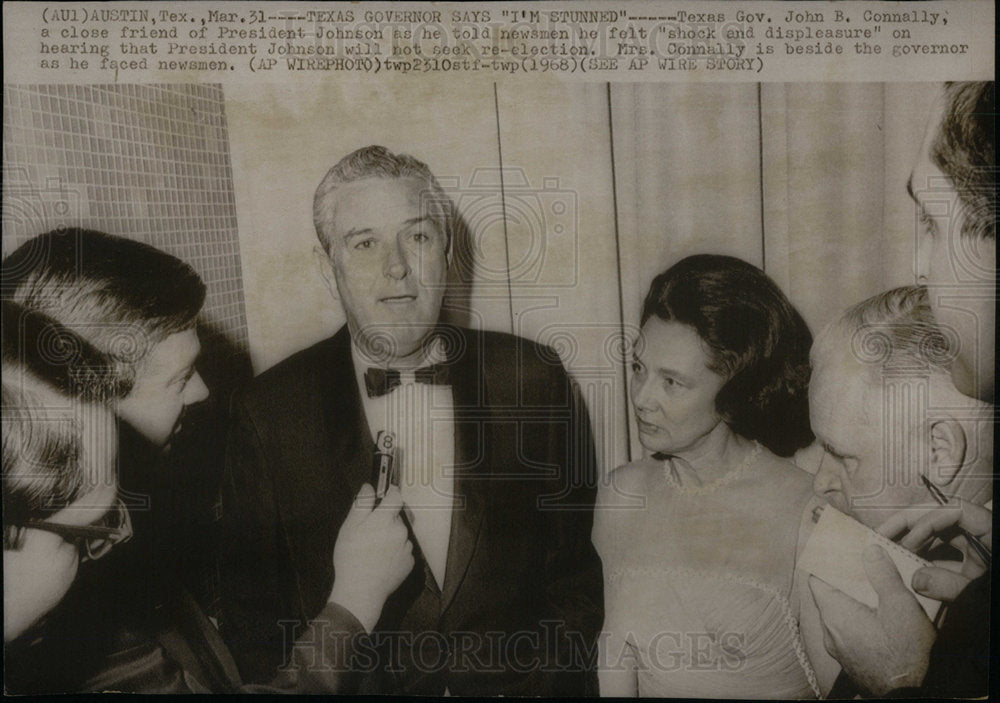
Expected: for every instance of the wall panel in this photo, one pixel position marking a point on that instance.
(146, 162)
(562, 242)
(285, 140)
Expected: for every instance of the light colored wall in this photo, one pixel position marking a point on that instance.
(147, 162)
(602, 189)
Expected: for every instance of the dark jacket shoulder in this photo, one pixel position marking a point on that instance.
(519, 372)
(303, 374)
(535, 360)
(508, 362)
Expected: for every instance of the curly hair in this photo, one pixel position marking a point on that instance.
(893, 332)
(757, 341)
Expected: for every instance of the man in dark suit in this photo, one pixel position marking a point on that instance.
(496, 470)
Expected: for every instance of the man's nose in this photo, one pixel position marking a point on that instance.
(827, 479)
(396, 266)
(196, 390)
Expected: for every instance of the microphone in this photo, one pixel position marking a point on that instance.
(385, 472)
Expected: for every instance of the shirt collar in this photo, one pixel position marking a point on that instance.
(434, 353)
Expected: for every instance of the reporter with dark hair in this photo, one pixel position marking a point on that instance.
(106, 319)
(112, 319)
(954, 186)
(719, 390)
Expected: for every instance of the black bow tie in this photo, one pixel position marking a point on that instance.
(381, 381)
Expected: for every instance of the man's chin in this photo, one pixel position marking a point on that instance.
(392, 342)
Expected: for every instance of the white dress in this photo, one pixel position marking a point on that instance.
(698, 579)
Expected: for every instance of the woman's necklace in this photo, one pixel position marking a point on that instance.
(673, 477)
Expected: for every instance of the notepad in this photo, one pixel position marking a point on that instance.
(834, 554)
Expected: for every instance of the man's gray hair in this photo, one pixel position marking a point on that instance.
(378, 162)
(895, 332)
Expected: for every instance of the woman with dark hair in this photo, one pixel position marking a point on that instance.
(699, 538)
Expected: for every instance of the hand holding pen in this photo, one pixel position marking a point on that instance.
(981, 549)
(974, 522)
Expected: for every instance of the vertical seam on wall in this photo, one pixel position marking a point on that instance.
(618, 264)
(883, 238)
(760, 177)
(503, 210)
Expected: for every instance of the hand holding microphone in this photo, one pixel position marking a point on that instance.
(372, 555)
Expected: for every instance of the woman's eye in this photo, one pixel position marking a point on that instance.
(669, 382)
(420, 237)
(365, 244)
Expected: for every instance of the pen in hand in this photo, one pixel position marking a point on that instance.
(981, 549)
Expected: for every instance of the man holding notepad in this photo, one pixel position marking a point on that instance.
(892, 423)
(895, 650)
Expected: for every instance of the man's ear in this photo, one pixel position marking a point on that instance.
(948, 446)
(326, 270)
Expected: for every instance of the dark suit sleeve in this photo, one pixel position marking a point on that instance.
(253, 557)
(574, 580)
(264, 623)
(324, 658)
(959, 664)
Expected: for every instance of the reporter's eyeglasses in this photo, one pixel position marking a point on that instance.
(96, 540)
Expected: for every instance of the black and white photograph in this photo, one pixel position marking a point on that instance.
(533, 349)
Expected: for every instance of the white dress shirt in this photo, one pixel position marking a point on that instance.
(422, 417)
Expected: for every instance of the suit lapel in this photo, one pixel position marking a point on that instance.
(348, 436)
(321, 489)
(350, 444)
(471, 462)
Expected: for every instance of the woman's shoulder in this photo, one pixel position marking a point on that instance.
(629, 479)
(783, 475)
(778, 488)
(621, 500)
(638, 472)
(640, 467)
